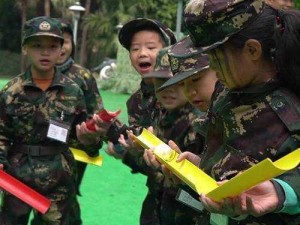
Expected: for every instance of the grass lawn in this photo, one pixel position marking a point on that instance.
(111, 195)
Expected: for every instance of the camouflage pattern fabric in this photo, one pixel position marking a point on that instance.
(167, 128)
(42, 26)
(221, 18)
(247, 126)
(160, 206)
(24, 119)
(87, 83)
(142, 109)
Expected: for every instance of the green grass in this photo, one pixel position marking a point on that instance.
(111, 195)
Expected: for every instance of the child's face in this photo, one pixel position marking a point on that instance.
(171, 97)
(235, 67)
(143, 50)
(66, 48)
(199, 88)
(43, 52)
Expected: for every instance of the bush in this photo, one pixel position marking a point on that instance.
(10, 64)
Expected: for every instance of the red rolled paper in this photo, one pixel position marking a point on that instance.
(105, 115)
(23, 192)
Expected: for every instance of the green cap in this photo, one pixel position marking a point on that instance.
(211, 22)
(162, 66)
(42, 26)
(185, 65)
(129, 29)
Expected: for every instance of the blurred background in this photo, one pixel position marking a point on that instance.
(111, 195)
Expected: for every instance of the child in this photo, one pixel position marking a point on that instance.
(88, 85)
(39, 111)
(257, 59)
(178, 117)
(143, 38)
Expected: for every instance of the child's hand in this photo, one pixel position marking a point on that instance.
(112, 152)
(151, 160)
(86, 136)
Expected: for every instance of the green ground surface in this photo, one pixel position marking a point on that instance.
(111, 195)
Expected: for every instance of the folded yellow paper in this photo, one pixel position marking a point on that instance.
(185, 170)
(81, 156)
(202, 183)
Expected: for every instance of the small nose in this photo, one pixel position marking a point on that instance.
(143, 52)
(45, 51)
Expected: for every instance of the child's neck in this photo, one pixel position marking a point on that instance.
(42, 79)
(42, 75)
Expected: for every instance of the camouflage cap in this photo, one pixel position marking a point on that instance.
(211, 22)
(162, 66)
(129, 29)
(185, 65)
(42, 26)
(66, 26)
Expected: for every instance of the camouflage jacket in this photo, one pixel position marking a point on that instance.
(142, 109)
(26, 111)
(87, 83)
(246, 126)
(84, 79)
(177, 126)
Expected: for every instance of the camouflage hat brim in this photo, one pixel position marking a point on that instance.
(186, 47)
(159, 74)
(180, 77)
(43, 34)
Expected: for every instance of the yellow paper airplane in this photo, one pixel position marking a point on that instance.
(81, 156)
(203, 183)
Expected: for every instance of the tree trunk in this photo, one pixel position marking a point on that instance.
(47, 7)
(83, 48)
(23, 17)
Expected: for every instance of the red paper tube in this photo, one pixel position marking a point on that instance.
(23, 192)
(105, 116)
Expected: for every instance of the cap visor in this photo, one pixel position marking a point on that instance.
(180, 77)
(187, 47)
(159, 74)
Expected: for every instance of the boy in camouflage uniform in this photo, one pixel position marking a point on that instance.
(88, 85)
(39, 111)
(258, 116)
(177, 115)
(143, 38)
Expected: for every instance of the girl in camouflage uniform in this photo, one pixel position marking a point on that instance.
(255, 50)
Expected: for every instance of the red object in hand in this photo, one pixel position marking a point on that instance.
(105, 115)
(23, 192)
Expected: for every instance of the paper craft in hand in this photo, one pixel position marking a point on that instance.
(81, 156)
(203, 183)
(23, 192)
(105, 115)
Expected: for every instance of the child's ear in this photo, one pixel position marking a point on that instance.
(253, 49)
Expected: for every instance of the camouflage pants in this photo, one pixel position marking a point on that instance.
(51, 176)
(150, 214)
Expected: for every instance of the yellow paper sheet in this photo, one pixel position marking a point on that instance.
(81, 156)
(264, 170)
(185, 170)
(202, 183)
